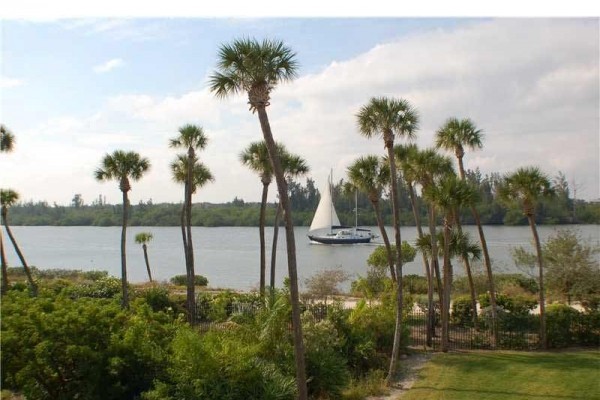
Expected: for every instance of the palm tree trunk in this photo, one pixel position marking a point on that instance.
(4, 287)
(487, 261)
(447, 289)
(415, 210)
(32, 284)
(291, 253)
(386, 240)
(434, 252)
(538, 249)
(146, 259)
(469, 276)
(261, 231)
(125, 301)
(399, 294)
(191, 276)
(274, 251)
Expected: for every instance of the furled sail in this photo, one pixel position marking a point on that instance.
(325, 216)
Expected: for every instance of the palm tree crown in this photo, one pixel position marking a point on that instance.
(190, 136)
(7, 139)
(122, 165)
(201, 175)
(370, 175)
(143, 238)
(387, 117)
(247, 65)
(450, 193)
(524, 188)
(455, 134)
(8, 198)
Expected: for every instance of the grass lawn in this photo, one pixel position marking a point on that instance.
(503, 375)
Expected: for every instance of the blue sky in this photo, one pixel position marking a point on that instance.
(75, 89)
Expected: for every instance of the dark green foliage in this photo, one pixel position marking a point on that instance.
(326, 367)
(560, 319)
(157, 298)
(220, 365)
(415, 284)
(58, 348)
(517, 305)
(462, 311)
(181, 280)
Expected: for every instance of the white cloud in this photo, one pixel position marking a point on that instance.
(109, 65)
(6, 82)
(532, 85)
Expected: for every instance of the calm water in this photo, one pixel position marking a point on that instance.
(229, 256)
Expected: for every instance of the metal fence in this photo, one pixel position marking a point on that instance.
(515, 332)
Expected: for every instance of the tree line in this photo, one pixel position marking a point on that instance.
(304, 198)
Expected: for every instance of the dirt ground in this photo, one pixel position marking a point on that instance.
(409, 367)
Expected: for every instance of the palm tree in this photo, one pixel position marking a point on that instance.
(123, 166)
(371, 175)
(144, 238)
(524, 188)
(293, 167)
(448, 194)
(454, 136)
(7, 139)
(256, 157)
(255, 68)
(405, 155)
(8, 198)
(427, 168)
(200, 176)
(390, 118)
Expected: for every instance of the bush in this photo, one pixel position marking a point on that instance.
(462, 311)
(157, 298)
(326, 368)
(181, 280)
(103, 288)
(517, 305)
(560, 318)
(61, 348)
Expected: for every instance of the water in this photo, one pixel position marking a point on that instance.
(229, 256)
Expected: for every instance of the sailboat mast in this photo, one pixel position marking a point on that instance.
(331, 197)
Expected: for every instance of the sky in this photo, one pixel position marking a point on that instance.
(75, 89)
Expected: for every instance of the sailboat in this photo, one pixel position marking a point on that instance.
(326, 228)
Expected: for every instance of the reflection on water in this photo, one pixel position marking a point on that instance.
(229, 256)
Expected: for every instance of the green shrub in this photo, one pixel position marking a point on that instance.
(520, 305)
(156, 297)
(181, 280)
(559, 321)
(326, 368)
(220, 365)
(462, 311)
(105, 288)
(63, 348)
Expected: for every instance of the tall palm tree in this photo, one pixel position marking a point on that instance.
(390, 118)
(7, 139)
(200, 176)
(8, 198)
(371, 175)
(454, 136)
(293, 167)
(144, 238)
(448, 194)
(123, 166)
(524, 188)
(427, 168)
(405, 156)
(255, 68)
(256, 157)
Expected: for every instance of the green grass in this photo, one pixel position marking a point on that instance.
(503, 375)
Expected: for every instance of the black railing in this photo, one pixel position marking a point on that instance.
(515, 332)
